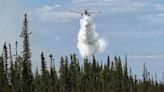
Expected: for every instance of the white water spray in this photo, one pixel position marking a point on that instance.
(89, 42)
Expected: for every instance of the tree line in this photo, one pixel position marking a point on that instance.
(91, 76)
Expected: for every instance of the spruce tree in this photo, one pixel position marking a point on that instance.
(6, 66)
(2, 84)
(43, 63)
(26, 73)
(53, 75)
(62, 75)
(125, 77)
(12, 72)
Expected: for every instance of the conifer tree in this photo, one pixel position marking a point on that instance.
(6, 66)
(2, 75)
(43, 63)
(12, 72)
(26, 73)
(53, 75)
(73, 73)
(125, 77)
(62, 75)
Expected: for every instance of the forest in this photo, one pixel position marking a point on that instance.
(92, 76)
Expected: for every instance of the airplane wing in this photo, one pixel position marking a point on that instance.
(76, 11)
(95, 12)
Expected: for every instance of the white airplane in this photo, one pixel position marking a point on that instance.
(85, 12)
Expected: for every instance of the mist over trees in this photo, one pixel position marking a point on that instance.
(113, 76)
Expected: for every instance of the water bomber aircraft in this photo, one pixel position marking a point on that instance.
(86, 12)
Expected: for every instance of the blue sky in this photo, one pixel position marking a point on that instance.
(130, 27)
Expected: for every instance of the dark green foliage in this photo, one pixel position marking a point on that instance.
(43, 62)
(2, 73)
(5, 72)
(26, 73)
(91, 76)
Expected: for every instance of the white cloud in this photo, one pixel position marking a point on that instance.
(128, 7)
(157, 15)
(156, 18)
(110, 6)
(95, 1)
(57, 5)
(79, 1)
(55, 14)
(159, 7)
(58, 13)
